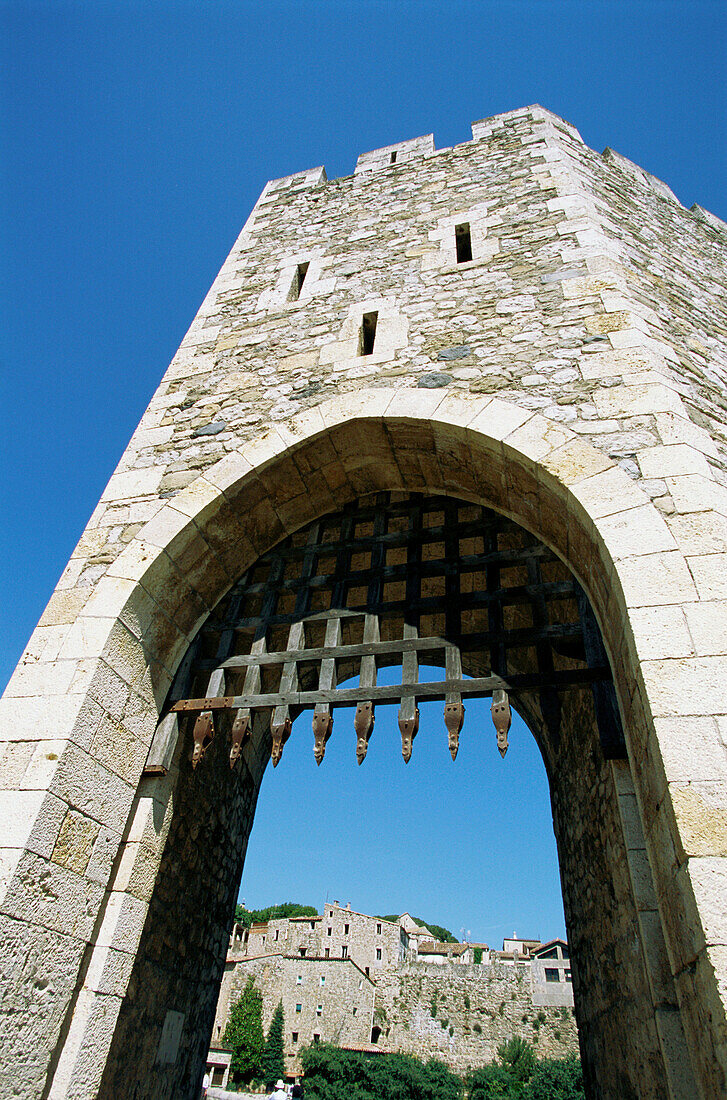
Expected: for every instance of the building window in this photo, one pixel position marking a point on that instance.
(302, 951)
(328, 952)
(552, 975)
(463, 241)
(378, 929)
(355, 1010)
(344, 952)
(323, 979)
(319, 1010)
(564, 952)
(367, 335)
(276, 933)
(329, 930)
(392, 158)
(345, 929)
(366, 970)
(299, 1008)
(378, 954)
(298, 279)
(316, 1037)
(295, 1036)
(568, 976)
(312, 926)
(299, 980)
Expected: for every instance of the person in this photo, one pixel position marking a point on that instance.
(279, 1092)
(205, 1084)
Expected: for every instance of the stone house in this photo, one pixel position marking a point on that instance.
(550, 974)
(368, 984)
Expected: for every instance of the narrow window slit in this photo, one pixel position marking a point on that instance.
(298, 279)
(392, 158)
(368, 333)
(463, 241)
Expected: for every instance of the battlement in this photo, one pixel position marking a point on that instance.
(408, 152)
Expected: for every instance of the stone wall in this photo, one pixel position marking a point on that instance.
(461, 1014)
(457, 1013)
(329, 998)
(571, 375)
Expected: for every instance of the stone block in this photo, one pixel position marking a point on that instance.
(42, 678)
(43, 893)
(692, 748)
(75, 841)
(636, 531)
(575, 461)
(64, 606)
(710, 575)
(686, 685)
(673, 460)
(694, 493)
(700, 808)
(652, 579)
(682, 1085)
(122, 922)
(661, 632)
(608, 493)
(87, 785)
(133, 483)
(707, 622)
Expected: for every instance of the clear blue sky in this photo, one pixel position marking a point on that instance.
(135, 138)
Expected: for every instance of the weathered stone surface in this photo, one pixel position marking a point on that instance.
(214, 428)
(461, 351)
(434, 380)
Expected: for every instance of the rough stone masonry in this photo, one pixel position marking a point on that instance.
(516, 321)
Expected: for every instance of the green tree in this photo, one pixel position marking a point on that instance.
(246, 917)
(557, 1079)
(273, 1061)
(517, 1057)
(244, 1034)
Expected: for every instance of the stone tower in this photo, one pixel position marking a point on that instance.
(517, 325)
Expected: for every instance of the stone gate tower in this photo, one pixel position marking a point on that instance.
(521, 330)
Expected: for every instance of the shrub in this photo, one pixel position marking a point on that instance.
(331, 1073)
(557, 1079)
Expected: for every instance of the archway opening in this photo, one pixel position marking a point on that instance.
(388, 579)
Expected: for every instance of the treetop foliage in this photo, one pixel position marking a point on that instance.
(246, 917)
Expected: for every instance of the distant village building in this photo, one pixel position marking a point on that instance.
(374, 985)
